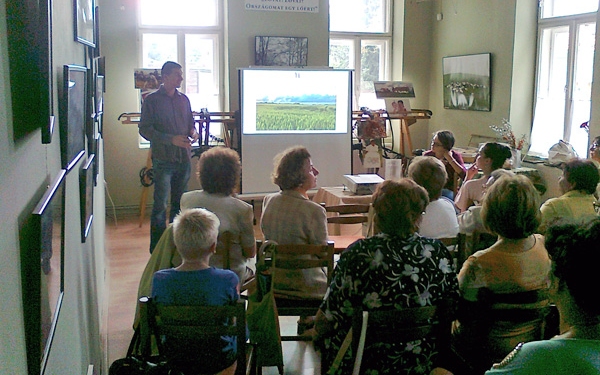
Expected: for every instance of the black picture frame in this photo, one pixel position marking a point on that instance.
(280, 51)
(73, 115)
(84, 18)
(467, 82)
(99, 96)
(29, 32)
(41, 239)
(86, 196)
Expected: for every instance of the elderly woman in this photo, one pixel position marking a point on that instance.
(396, 268)
(576, 350)
(517, 262)
(490, 157)
(439, 220)
(441, 148)
(219, 171)
(578, 184)
(196, 283)
(290, 217)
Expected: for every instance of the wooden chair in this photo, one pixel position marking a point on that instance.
(348, 214)
(226, 239)
(189, 324)
(300, 257)
(403, 325)
(456, 246)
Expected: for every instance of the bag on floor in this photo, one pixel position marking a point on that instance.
(133, 363)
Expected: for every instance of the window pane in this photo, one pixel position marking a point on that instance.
(361, 16)
(201, 74)
(157, 49)
(549, 117)
(557, 8)
(179, 13)
(582, 86)
(372, 61)
(341, 53)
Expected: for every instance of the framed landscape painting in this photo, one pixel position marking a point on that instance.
(467, 82)
(281, 51)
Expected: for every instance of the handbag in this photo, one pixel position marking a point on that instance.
(133, 363)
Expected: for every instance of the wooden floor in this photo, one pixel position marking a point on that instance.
(127, 256)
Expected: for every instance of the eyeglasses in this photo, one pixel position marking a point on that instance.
(437, 144)
(594, 146)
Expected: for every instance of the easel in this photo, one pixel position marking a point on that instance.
(203, 119)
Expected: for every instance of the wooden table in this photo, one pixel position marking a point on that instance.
(333, 196)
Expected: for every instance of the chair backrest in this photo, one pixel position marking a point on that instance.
(192, 323)
(302, 256)
(457, 248)
(226, 242)
(405, 325)
(348, 213)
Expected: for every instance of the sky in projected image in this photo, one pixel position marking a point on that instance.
(276, 101)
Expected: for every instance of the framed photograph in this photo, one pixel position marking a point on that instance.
(99, 96)
(280, 51)
(95, 150)
(397, 106)
(86, 196)
(42, 252)
(85, 28)
(467, 82)
(391, 89)
(73, 115)
(29, 36)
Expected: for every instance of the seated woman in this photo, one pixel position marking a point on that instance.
(439, 220)
(396, 268)
(219, 171)
(578, 184)
(441, 148)
(195, 282)
(517, 262)
(490, 157)
(577, 349)
(289, 217)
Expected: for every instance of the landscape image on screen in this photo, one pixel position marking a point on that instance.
(296, 113)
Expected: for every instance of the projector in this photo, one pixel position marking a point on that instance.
(363, 184)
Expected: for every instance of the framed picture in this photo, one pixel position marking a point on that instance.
(86, 196)
(280, 51)
(391, 89)
(73, 115)
(467, 82)
(29, 25)
(96, 149)
(42, 253)
(99, 96)
(85, 28)
(397, 106)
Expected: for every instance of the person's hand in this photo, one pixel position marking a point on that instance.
(472, 171)
(181, 141)
(194, 135)
(448, 155)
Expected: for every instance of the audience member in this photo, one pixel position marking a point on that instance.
(219, 171)
(195, 282)
(490, 157)
(595, 157)
(575, 256)
(290, 217)
(439, 220)
(441, 148)
(578, 184)
(167, 122)
(396, 268)
(517, 262)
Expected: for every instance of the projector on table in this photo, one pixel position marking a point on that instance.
(363, 184)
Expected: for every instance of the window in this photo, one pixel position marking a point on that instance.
(188, 32)
(360, 39)
(567, 34)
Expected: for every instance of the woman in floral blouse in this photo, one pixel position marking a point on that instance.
(396, 268)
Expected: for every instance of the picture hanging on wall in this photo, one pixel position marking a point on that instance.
(73, 115)
(467, 82)
(85, 28)
(29, 25)
(86, 196)
(281, 51)
(41, 246)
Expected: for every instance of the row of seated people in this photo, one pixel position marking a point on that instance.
(396, 268)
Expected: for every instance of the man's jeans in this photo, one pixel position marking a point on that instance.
(168, 177)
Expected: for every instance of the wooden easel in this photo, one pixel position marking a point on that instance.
(203, 119)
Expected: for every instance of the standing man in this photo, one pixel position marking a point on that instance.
(167, 122)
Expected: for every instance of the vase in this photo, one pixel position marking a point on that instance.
(515, 159)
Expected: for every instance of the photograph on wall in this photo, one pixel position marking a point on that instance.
(280, 51)
(391, 89)
(467, 82)
(73, 115)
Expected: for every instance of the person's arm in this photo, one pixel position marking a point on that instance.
(149, 123)
(549, 214)
(318, 226)
(463, 199)
(248, 241)
(470, 220)
(456, 162)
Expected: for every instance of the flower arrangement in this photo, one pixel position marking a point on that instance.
(505, 132)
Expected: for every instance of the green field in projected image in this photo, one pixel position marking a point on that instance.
(294, 116)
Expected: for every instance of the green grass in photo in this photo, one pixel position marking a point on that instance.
(294, 117)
